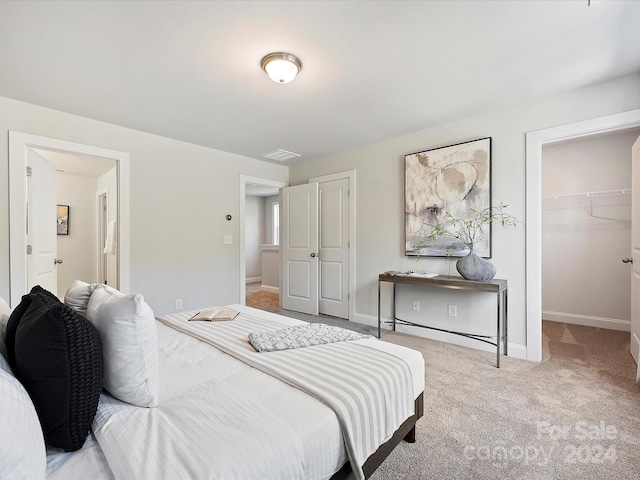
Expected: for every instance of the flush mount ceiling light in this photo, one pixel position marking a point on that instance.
(281, 67)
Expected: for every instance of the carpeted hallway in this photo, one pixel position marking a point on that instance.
(270, 302)
(575, 415)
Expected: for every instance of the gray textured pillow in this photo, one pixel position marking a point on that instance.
(78, 295)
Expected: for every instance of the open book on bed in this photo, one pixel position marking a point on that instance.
(215, 314)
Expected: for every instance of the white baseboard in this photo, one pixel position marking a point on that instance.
(268, 288)
(253, 279)
(514, 349)
(588, 321)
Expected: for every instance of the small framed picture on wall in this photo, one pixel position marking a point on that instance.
(62, 219)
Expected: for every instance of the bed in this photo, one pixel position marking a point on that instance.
(226, 411)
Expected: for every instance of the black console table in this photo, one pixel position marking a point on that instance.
(497, 286)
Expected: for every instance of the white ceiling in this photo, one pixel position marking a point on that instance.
(260, 190)
(372, 70)
(77, 164)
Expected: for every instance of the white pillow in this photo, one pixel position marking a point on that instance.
(23, 453)
(127, 329)
(78, 294)
(5, 312)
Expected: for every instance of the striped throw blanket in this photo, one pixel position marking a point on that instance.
(370, 391)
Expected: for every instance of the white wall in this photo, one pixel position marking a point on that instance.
(270, 268)
(583, 278)
(270, 253)
(78, 249)
(178, 220)
(253, 235)
(380, 199)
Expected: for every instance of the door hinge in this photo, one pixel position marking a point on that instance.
(29, 171)
(29, 249)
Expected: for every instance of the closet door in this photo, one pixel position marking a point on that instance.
(299, 248)
(334, 248)
(635, 254)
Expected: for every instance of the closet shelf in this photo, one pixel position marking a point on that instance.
(603, 198)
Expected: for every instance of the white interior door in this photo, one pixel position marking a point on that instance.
(635, 254)
(41, 224)
(334, 248)
(299, 248)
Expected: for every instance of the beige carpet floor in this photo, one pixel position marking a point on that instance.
(575, 415)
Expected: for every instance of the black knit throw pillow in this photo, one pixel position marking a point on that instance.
(18, 313)
(59, 361)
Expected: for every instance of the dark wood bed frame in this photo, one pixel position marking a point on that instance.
(407, 432)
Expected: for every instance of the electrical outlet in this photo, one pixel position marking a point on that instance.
(416, 306)
(178, 304)
(453, 310)
(228, 239)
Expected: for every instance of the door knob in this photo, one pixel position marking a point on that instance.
(313, 255)
(627, 260)
(57, 261)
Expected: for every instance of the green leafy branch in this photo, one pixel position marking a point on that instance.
(468, 231)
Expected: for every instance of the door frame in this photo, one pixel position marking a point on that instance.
(19, 143)
(102, 221)
(533, 219)
(351, 176)
(244, 180)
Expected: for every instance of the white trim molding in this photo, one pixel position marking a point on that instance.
(19, 143)
(587, 320)
(270, 289)
(533, 221)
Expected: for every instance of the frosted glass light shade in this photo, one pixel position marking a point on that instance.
(281, 67)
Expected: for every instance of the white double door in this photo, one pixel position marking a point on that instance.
(315, 248)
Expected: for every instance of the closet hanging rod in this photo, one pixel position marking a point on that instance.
(604, 193)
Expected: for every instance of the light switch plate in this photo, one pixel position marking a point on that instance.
(228, 239)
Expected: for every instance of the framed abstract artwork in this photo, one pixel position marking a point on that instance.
(445, 182)
(62, 219)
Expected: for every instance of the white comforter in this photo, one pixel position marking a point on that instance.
(220, 418)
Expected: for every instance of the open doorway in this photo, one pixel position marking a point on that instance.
(259, 198)
(586, 233)
(534, 144)
(262, 247)
(87, 188)
(20, 145)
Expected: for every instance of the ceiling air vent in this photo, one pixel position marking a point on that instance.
(280, 155)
